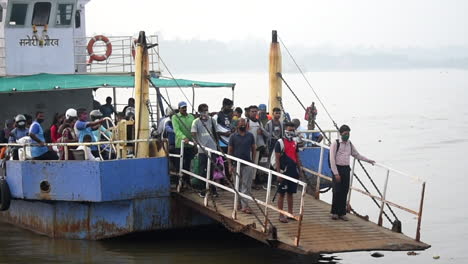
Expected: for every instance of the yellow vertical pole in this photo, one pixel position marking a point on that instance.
(141, 97)
(275, 67)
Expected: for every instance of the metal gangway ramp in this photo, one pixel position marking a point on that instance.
(312, 231)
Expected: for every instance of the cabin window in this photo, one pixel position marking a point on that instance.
(64, 14)
(41, 13)
(18, 14)
(1, 13)
(77, 19)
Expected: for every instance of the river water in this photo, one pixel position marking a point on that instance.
(415, 121)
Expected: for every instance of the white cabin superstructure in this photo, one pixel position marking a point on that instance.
(41, 36)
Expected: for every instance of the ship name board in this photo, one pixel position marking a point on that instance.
(35, 41)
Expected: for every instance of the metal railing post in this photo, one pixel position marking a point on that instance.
(236, 196)
(351, 177)
(317, 187)
(383, 199)
(86, 154)
(208, 172)
(24, 151)
(267, 200)
(65, 152)
(123, 56)
(181, 164)
(301, 215)
(131, 57)
(418, 228)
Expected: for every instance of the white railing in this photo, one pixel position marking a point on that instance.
(77, 144)
(122, 57)
(326, 133)
(382, 198)
(266, 203)
(2, 57)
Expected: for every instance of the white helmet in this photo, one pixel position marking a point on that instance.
(19, 118)
(71, 113)
(95, 114)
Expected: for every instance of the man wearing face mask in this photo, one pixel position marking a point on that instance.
(224, 120)
(263, 116)
(18, 132)
(204, 131)
(242, 146)
(255, 127)
(287, 154)
(36, 133)
(182, 123)
(340, 152)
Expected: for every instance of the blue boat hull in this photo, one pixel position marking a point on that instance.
(94, 200)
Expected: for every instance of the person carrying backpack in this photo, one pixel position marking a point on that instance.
(287, 162)
(204, 131)
(340, 152)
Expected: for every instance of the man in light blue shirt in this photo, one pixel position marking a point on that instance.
(83, 127)
(36, 133)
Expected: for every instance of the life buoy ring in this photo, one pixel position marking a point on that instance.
(5, 195)
(92, 55)
(3, 152)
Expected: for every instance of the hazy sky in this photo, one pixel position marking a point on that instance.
(369, 23)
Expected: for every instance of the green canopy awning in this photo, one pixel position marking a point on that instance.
(50, 82)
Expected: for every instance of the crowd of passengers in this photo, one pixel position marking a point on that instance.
(75, 125)
(251, 134)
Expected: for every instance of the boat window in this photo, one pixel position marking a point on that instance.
(77, 19)
(41, 13)
(64, 14)
(1, 13)
(18, 14)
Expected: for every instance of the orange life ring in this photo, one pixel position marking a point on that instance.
(3, 152)
(94, 57)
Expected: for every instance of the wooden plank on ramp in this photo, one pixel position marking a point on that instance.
(319, 233)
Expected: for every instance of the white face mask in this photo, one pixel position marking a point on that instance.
(204, 115)
(289, 134)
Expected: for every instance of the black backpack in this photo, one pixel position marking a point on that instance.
(336, 152)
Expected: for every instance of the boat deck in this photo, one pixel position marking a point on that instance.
(319, 234)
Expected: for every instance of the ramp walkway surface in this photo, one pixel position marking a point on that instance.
(318, 234)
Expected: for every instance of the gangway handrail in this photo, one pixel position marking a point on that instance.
(382, 197)
(324, 132)
(236, 191)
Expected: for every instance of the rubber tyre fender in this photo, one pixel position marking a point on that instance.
(5, 195)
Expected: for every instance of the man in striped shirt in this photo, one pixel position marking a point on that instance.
(340, 152)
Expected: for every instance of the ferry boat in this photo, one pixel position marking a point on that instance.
(48, 64)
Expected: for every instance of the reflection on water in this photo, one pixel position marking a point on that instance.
(211, 244)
